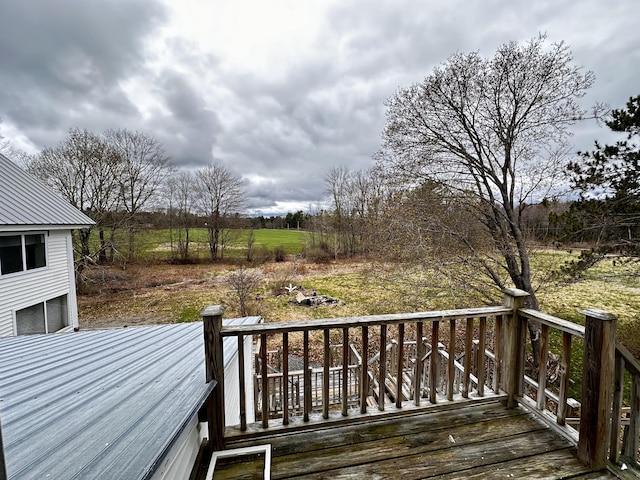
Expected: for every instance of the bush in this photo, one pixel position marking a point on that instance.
(318, 254)
(279, 254)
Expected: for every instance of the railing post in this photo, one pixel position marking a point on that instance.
(597, 388)
(515, 337)
(214, 370)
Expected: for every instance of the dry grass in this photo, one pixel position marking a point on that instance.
(151, 294)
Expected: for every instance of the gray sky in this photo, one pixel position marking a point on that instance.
(281, 91)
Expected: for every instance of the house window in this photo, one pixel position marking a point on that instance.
(45, 317)
(22, 252)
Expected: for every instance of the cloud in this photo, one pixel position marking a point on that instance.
(280, 91)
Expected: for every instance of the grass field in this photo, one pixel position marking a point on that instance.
(156, 244)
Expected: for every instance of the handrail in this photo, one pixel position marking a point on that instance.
(554, 322)
(351, 322)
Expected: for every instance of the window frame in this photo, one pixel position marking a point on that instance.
(23, 251)
(45, 317)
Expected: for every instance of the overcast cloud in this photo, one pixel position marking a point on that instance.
(279, 90)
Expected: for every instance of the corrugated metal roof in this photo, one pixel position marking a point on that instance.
(24, 201)
(100, 404)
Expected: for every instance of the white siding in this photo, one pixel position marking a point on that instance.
(180, 460)
(23, 289)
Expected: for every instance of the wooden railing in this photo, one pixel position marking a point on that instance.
(451, 355)
(625, 426)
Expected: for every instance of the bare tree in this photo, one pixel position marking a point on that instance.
(494, 128)
(355, 196)
(182, 197)
(220, 195)
(243, 283)
(143, 167)
(85, 170)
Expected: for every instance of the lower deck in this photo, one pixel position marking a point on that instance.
(481, 440)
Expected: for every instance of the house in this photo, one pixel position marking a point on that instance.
(36, 255)
(118, 403)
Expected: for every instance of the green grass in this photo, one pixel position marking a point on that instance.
(155, 244)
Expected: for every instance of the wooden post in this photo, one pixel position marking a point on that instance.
(214, 370)
(515, 337)
(597, 388)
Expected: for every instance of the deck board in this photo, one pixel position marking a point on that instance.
(477, 441)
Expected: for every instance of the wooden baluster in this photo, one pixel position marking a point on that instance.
(400, 365)
(418, 370)
(616, 412)
(241, 381)
(265, 380)
(631, 446)
(214, 370)
(597, 388)
(565, 365)
(482, 346)
(364, 371)
(468, 355)
(542, 369)
(451, 368)
(285, 378)
(345, 371)
(498, 346)
(382, 375)
(325, 376)
(433, 364)
(307, 376)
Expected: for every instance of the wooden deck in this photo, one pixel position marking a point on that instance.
(479, 440)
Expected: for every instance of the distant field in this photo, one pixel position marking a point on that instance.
(155, 244)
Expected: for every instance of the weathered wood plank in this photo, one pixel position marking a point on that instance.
(597, 387)
(554, 322)
(549, 465)
(450, 363)
(364, 377)
(434, 362)
(389, 441)
(376, 428)
(265, 381)
(341, 322)
(482, 345)
(542, 372)
(242, 383)
(565, 364)
(411, 461)
(345, 371)
(399, 366)
(382, 371)
(285, 375)
(468, 344)
(417, 378)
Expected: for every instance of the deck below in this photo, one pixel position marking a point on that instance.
(477, 441)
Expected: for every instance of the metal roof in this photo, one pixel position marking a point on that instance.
(24, 201)
(101, 404)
